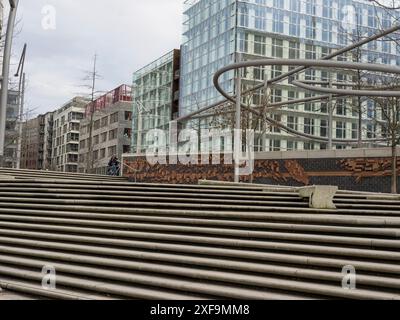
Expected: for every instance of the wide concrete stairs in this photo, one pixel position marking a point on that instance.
(115, 239)
(30, 174)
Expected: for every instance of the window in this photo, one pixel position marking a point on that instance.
(276, 95)
(243, 42)
(72, 147)
(279, 4)
(371, 129)
(75, 116)
(309, 127)
(292, 145)
(310, 7)
(127, 133)
(327, 9)
(277, 118)
(96, 140)
(309, 146)
(82, 144)
(309, 106)
(311, 52)
(311, 27)
(102, 153)
(112, 151)
(113, 134)
(96, 155)
(72, 158)
(324, 128)
(276, 71)
(326, 31)
(277, 48)
(294, 50)
(310, 74)
(114, 118)
(341, 107)
(73, 137)
(104, 121)
(293, 122)
(278, 20)
(275, 145)
(340, 130)
(354, 130)
(295, 5)
(294, 24)
(97, 124)
(260, 18)
(103, 137)
(74, 126)
(128, 115)
(259, 73)
(259, 45)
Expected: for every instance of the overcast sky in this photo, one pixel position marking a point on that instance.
(126, 35)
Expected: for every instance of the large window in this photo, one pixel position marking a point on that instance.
(278, 19)
(112, 151)
(294, 24)
(113, 134)
(277, 48)
(294, 50)
(293, 123)
(104, 121)
(259, 45)
(340, 130)
(275, 145)
(324, 128)
(309, 126)
(114, 118)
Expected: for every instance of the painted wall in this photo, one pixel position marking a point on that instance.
(362, 170)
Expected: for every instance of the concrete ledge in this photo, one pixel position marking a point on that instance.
(264, 187)
(5, 177)
(321, 197)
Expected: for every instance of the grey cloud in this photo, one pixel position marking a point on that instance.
(126, 34)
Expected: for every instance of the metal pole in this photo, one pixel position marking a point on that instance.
(5, 75)
(237, 139)
(89, 160)
(21, 112)
(21, 98)
(139, 134)
(330, 119)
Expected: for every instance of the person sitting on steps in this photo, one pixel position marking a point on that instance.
(113, 166)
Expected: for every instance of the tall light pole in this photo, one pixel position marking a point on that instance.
(237, 149)
(6, 74)
(21, 99)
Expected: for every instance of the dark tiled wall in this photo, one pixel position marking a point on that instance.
(362, 174)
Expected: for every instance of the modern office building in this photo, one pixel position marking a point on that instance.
(36, 142)
(111, 129)
(12, 132)
(155, 97)
(66, 130)
(219, 32)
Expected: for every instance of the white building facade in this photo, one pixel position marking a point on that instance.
(66, 130)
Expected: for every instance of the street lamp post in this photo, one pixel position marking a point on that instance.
(21, 94)
(6, 74)
(238, 125)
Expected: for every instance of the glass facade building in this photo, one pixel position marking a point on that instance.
(217, 31)
(155, 98)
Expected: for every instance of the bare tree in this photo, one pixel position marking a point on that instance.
(388, 119)
(91, 78)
